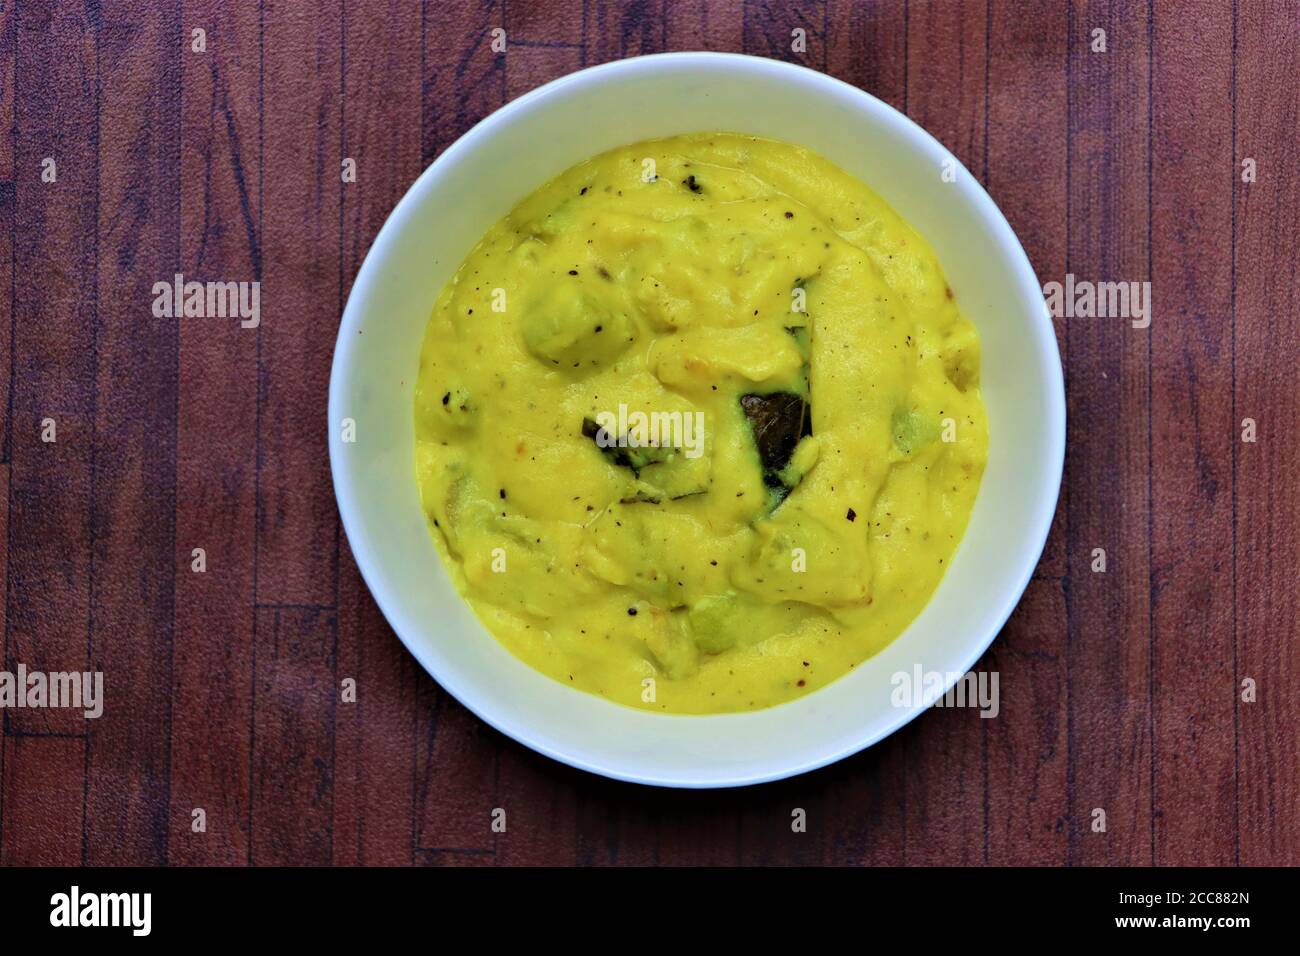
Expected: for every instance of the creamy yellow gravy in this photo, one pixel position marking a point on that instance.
(745, 284)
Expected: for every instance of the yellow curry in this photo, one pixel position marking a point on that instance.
(699, 425)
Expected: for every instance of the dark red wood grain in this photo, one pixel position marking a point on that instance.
(216, 505)
(54, 322)
(300, 270)
(8, 51)
(133, 467)
(1266, 353)
(295, 700)
(1109, 645)
(1193, 439)
(1120, 691)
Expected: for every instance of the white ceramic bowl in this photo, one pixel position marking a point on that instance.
(476, 182)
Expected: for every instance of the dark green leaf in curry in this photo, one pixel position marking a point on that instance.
(634, 457)
(660, 471)
(778, 421)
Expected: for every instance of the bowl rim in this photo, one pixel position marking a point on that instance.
(345, 490)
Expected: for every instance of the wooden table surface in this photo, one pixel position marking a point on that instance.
(1121, 690)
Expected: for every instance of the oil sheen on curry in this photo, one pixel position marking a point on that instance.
(699, 425)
